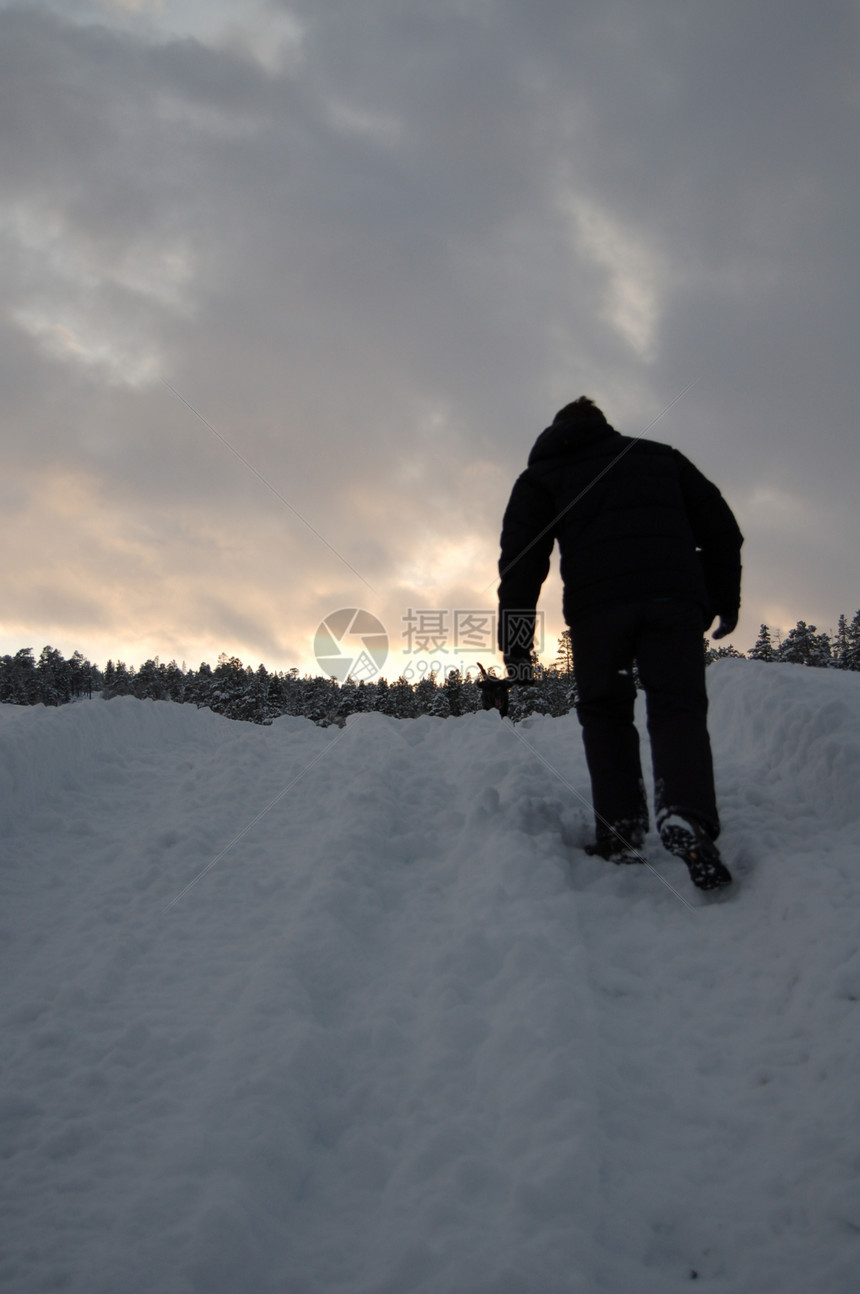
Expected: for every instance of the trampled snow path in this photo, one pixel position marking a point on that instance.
(402, 1035)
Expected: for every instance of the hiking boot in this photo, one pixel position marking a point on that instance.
(687, 840)
(614, 851)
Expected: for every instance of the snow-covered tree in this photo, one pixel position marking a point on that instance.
(18, 684)
(847, 647)
(320, 700)
(403, 700)
(424, 694)
(260, 696)
(174, 681)
(763, 648)
(118, 680)
(804, 645)
(149, 681)
(440, 706)
(53, 677)
(727, 653)
(453, 689)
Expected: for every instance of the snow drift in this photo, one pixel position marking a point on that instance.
(348, 1011)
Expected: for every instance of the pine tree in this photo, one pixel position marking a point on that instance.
(19, 684)
(424, 693)
(453, 689)
(259, 696)
(123, 681)
(363, 698)
(440, 707)
(53, 675)
(290, 688)
(727, 653)
(174, 681)
(403, 698)
(840, 642)
(382, 701)
(849, 657)
(564, 655)
(149, 682)
(80, 672)
(805, 646)
(764, 648)
(199, 685)
(320, 700)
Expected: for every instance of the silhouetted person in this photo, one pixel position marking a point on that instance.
(650, 555)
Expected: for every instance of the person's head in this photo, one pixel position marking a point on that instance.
(583, 410)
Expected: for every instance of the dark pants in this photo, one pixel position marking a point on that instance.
(664, 637)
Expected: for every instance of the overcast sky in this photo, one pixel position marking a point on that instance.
(291, 288)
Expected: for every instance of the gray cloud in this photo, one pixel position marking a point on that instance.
(376, 245)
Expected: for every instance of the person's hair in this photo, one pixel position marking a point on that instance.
(583, 406)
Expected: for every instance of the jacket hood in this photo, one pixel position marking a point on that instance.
(570, 432)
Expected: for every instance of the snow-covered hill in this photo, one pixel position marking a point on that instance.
(294, 1010)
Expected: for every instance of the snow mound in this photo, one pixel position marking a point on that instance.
(349, 1011)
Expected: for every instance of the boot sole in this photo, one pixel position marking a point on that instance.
(707, 870)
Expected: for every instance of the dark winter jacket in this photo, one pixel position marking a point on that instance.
(634, 520)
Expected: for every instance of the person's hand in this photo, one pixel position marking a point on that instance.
(727, 625)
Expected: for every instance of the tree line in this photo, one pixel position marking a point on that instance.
(260, 696)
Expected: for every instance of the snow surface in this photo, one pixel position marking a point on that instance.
(347, 1011)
